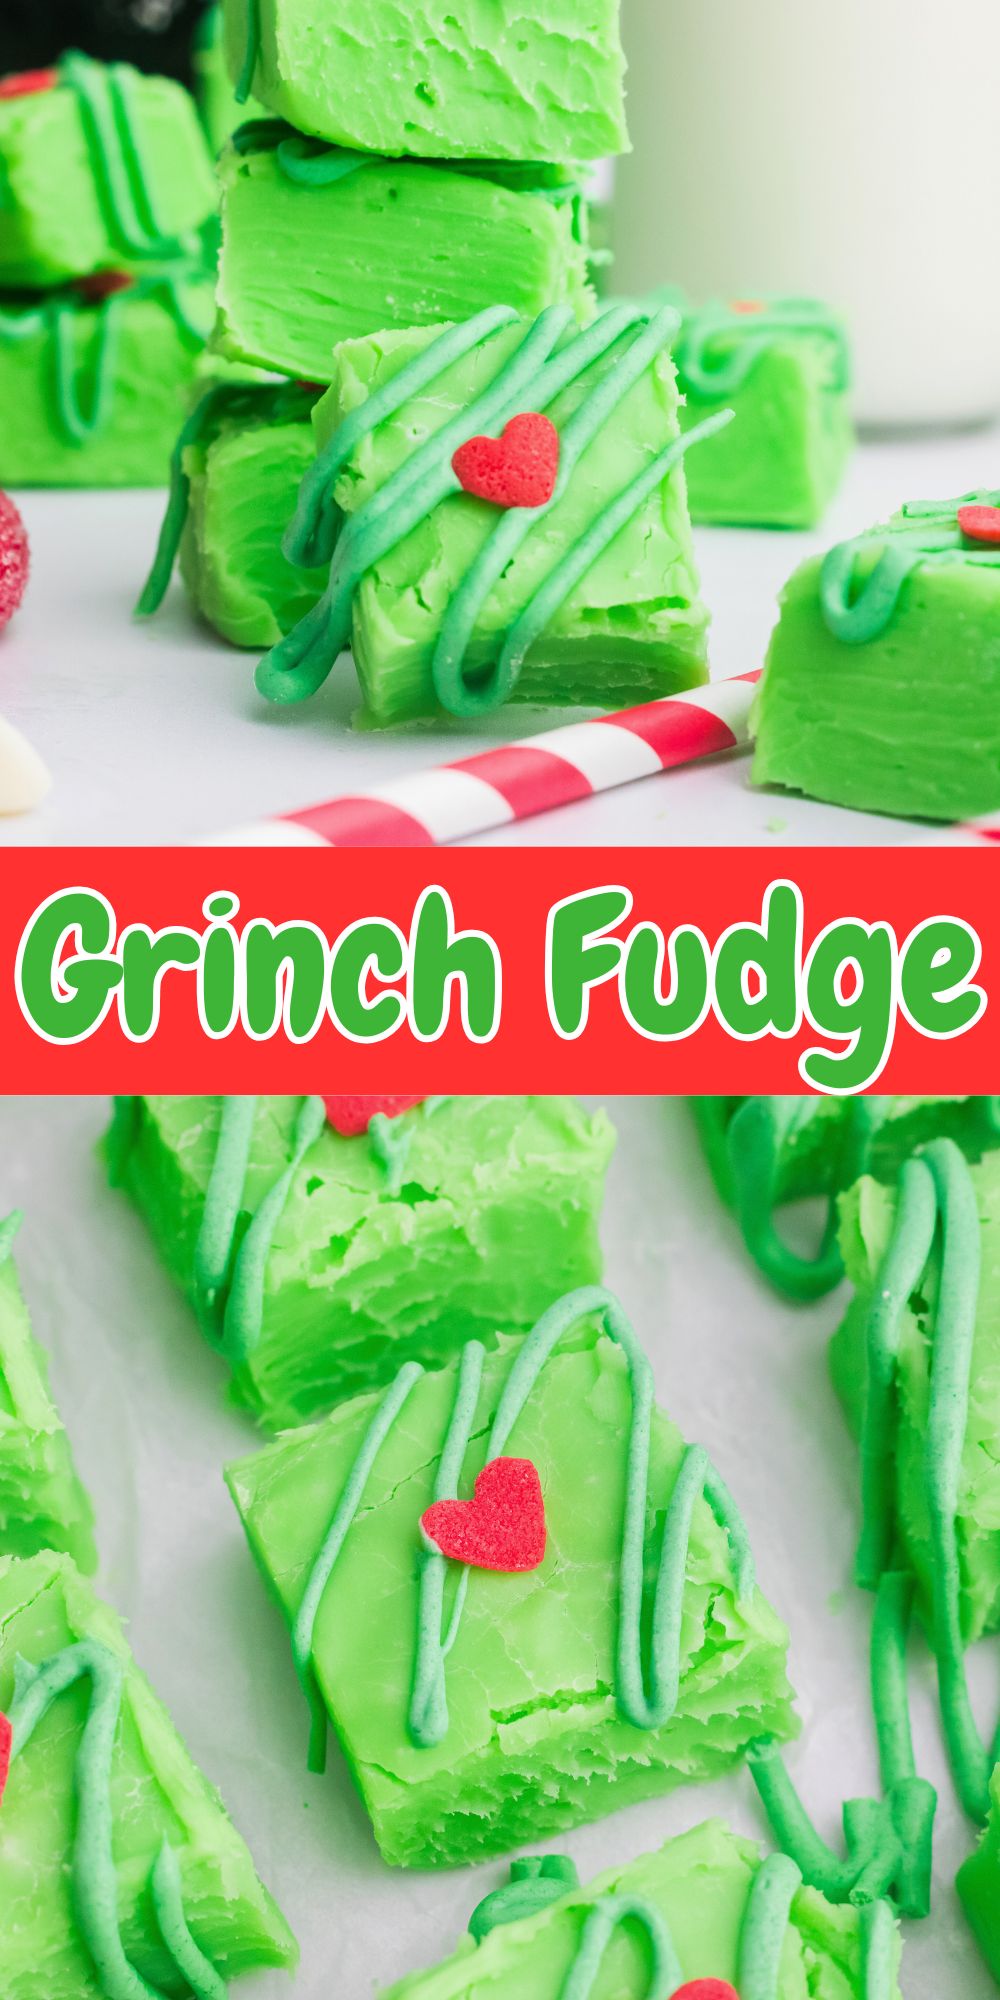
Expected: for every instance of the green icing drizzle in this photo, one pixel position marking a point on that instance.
(888, 1841)
(105, 97)
(755, 1138)
(225, 400)
(94, 1876)
(603, 1920)
(536, 1882)
(545, 363)
(251, 53)
(718, 348)
(646, 1701)
(84, 398)
(859, 598)
(230, 1268)
(765, 1927)
(936, 1195)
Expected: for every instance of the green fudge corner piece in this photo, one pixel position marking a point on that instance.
(42, 1503)
(882, 684)
(601, 583)
(248, 452)
(318, 248)
(783, 367)
(157, 1797)
(93, 394)
(496, 1215)
(765, 1151)
(518, 1726)
(978, 1885)
(107, 170)
(867, 1214)
(721, 1913)
(465, 79)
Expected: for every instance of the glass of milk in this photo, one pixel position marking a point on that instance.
(845, 152)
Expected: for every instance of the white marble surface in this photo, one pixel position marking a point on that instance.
(155, 733)
(142, 1396)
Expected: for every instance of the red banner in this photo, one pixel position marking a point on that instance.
(634, 970)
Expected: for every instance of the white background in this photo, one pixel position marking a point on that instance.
(142, 1396)
(155, 732)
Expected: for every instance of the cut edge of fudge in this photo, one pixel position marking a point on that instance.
(43, 1504)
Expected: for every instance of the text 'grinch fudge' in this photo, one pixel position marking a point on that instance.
(882, 684)
(236, 469)
(42, 1503)
(439, 78)
(501, 510)
(782, 366)
(767, 1151)
(122, 1875)
(704, 1918)
(320, 246)
(100, 169)
(517, 1596)
(324, 1242)
(94, 382)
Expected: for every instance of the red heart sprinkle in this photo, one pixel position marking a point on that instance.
(518, 469)
(28, 82)
(6, 1746)
(706, 1989)
(746, 305)
(980, 524)
(350, 1116)
(100, 285)
(502, 1527)
(14, 559)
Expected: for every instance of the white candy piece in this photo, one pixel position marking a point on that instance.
(24, 779)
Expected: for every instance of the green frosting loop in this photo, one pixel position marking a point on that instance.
(646, 1701)
(765, 1927)
(936, 1201)
(105, 98)
(535, 1883)
(83, 395)
(603, 1920)
(251, 53)
(94, 1877)
(719, 347)
(755, 1138)
(862, 581)
(548, 360)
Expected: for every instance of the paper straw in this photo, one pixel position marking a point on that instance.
(496, 787)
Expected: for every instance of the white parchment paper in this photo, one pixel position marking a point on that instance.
(143, 1398)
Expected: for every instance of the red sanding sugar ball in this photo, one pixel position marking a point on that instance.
(28, 82)
(13, 559)
(706, 1989)
(350, 1116)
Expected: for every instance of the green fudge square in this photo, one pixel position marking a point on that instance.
(454, 604)
(464, 79)
(882, 684)
(105, 171)
(42, 1503)
(868, 1212)
(765, 1151)
(247, 452)
(978, 1885)
(93, 394)
(526, 1719)
(53, 1854)
(782, 366)
(495, 1214)
(715, 1909)
(318, 248)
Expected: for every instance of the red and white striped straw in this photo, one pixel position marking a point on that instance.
(451, 801)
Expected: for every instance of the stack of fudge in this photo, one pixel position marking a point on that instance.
(403, 235)
(106, 234)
